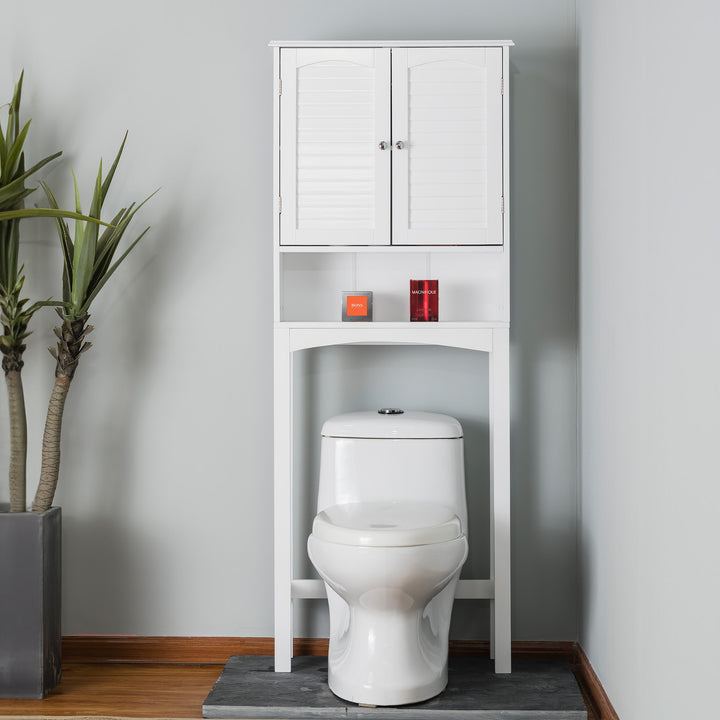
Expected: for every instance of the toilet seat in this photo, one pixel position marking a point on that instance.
(387, 524)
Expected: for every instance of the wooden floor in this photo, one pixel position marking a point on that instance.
(130, 690)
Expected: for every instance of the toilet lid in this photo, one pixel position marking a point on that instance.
(385, 524)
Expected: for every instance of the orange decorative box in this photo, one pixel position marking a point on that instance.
(357, 306)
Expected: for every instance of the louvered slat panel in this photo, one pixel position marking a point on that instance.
(438, 87)
(335, 129)
(427, 181)
(448, 151)
(445, 113)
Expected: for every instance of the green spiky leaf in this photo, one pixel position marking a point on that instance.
(9, 191)
(85, 247)
(88, 259)
(48, 213)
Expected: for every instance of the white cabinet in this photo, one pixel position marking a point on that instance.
(391, 163)
(391, 146)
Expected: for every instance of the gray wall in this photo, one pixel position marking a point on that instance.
(166, 481)
(650, 349)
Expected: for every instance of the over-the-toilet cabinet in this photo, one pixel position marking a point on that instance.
(390, 163)
(391, 146)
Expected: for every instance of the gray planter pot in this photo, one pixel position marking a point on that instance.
(30, 575)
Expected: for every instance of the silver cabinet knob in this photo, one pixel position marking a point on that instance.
(383, 145)
(399, 145)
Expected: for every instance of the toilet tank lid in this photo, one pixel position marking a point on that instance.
(410, 425)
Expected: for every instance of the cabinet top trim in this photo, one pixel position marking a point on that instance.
(389, 43)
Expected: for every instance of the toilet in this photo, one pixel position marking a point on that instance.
(389, 540)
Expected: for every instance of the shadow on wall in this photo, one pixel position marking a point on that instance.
(102, 553)
(91, 591)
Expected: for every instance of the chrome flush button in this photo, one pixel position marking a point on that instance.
(390, 411)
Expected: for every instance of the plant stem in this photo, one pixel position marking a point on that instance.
(50, 468)
(18, 440)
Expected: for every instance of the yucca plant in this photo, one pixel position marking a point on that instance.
(16, 311)
(87, 266)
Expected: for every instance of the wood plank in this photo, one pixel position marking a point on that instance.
(134, 690)
(217, 650)
(596, 699)
(134, 649)
(520, 649)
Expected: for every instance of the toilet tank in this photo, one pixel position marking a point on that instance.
(374, 457)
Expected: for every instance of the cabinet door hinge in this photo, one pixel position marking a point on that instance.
(279, 204)
(502, 85)
(502, 204)
(279, 86)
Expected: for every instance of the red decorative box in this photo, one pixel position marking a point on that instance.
(423, 300)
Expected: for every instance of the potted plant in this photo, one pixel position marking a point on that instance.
(30, 542)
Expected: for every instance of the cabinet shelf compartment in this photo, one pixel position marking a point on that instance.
(472, 285)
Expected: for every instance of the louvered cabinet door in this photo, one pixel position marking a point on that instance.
(334, 176)
(447, 170)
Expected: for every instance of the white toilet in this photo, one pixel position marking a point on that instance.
(389, 542)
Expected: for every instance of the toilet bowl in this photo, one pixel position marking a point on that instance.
(389, 542)
(386, 562)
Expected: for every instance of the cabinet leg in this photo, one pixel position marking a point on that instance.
(500, 639)
(283, 502)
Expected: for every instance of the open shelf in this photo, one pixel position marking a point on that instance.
(472, 284)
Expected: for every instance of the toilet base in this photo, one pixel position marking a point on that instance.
(381, 698)
(388, 658)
